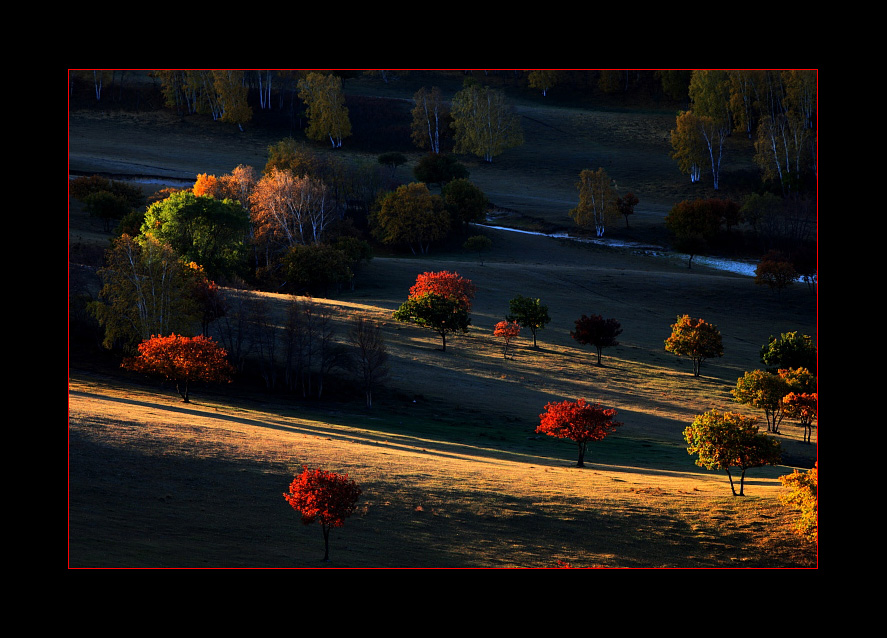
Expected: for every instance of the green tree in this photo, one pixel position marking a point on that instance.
(597, 201)
(443, 314)
(724, 440)
(465, 203)
(326, 110)
(146, 290)
(478, 244)
(529, 313)
(106, 206)
(411, 216)
(392, 160)
(764, 391)
(484, 124)
(315, 269)
(696, 339)
(202, 229)
(439, 168)
(694, 225)
(790, 350)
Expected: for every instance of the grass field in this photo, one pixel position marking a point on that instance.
(452, 472)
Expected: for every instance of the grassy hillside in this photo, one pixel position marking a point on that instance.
(453, 474)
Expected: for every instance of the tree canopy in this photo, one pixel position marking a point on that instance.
(326, 497)
(529, 313)
(485, 124)
(579, 421)
(182, 360)
(723, 440)
(696, 339)
(411, 216)
(597, 201)
(326, 110)
(208, 231)
(598, 332)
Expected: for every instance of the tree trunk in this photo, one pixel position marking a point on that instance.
(326, 543)
(732, 487)
(581, 461)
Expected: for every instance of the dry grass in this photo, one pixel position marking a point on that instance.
(158, 484)
(453, 475)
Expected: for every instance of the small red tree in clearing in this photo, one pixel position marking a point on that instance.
(578, 421)
(508, 330)
(322, 496)
(182, 360)
(446, 284)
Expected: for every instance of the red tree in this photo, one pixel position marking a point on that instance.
(597, 331)
(446, 284)
(182, 360)
(323, 496)
(578, 421)
(508, 330)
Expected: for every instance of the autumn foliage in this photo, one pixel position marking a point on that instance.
(696, 339)
(802, 493)
(326, 497)
(724, 440)
(440, 301)
(182, 360)
(446, 284)
(508, 330)
(578, 421)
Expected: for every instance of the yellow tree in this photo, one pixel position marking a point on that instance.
(146, 290)
(411, 216)
(544, 79)
(326, 110)
(710, 95)
(231, 93)
(485, 125)
(688, 145)
(429, 119)
(597, 201)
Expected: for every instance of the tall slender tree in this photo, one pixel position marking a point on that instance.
(484, 123)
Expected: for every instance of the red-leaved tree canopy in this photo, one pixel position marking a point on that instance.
(322, 496)
(182, 360)
(578, 421)
(446, 284)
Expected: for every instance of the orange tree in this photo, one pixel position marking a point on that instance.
(508, 330)
(802, 493)
(696, 339)
(804, 407)
(322, 496)
(182, 360)
(722, 440)
(597, 331)
(578, 421)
